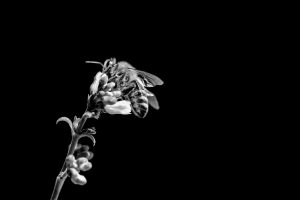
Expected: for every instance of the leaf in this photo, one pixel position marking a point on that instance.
(65, 119)
(89, 136)
(91, 130)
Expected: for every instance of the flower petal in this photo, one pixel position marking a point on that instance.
(121, 107)
(85, 166)
(109, 100)
(117, 93)
(95, 84)
(78, 179)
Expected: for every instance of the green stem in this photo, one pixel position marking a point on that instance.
(60, 179)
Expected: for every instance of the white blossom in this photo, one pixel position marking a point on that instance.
(95, 84)
(77, 178)
(120, 107)
(99, 78)
(109, 100)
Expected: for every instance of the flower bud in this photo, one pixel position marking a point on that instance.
(70, 158)
(71, 162)
(84, 148)
(74, 172)
(82, 160)
(87, 154)
(85, 166)
(109, 86)
(78, 179)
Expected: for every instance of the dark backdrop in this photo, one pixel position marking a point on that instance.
(133, 157)
(45, 77)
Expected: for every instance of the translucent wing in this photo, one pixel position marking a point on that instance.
(149, 79)
(153, 102)
(152, 99)
(125, 65)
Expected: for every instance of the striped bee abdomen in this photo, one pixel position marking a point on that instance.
(139, 103)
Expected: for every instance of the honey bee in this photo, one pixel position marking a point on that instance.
(133, 83)
(139, 99)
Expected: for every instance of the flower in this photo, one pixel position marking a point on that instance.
(82, 160)
(109, 100)
(100, 80)
(105, 97)
(77, 178)
(71, 161)
(120, 107)
(85, 166)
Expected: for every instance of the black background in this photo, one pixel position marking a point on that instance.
(168, 154)
(133, 157)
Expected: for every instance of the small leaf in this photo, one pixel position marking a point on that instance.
(65, 119)
(89, 136)
(91, 130)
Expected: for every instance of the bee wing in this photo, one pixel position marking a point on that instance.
(153, 102)
(150, 79)
(152, 99)
(125, 65)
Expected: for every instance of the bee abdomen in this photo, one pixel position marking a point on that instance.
(139, 109)
(142, 99)
(139, 103)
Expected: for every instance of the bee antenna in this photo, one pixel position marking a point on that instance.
(94, 62)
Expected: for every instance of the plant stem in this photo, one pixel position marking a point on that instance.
(60, 179)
